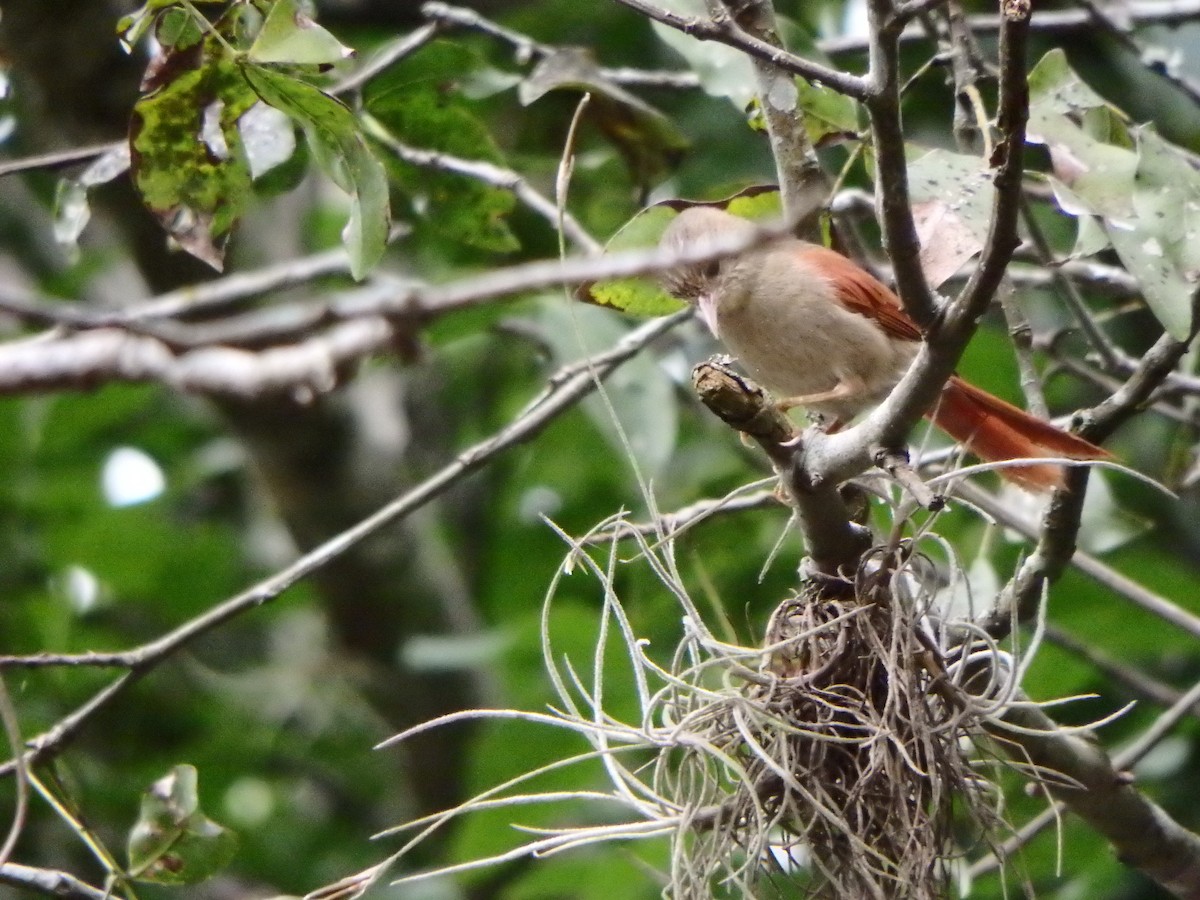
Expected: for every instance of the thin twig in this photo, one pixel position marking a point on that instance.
(528, 49)
(362, 325)
(1020, 332)
(1048, 22)
(58, 159)
(206, 297)
(891, 166)
(50, 883)
(12, 730)
(725, 32)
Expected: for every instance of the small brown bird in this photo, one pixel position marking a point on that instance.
(823, 333)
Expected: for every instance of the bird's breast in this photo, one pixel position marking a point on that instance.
(793, 334)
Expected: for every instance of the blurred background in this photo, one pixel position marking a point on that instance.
(127, 509)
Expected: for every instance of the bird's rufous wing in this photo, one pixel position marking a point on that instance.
(862, 292)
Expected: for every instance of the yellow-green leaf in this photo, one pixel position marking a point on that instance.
(290, 36)
(644, 296)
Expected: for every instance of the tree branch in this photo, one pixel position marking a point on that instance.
(725, 32)
(1144, 836)
(362, 325)
(1060, 522)
(804, 187)
(834, 543)
(894, 206)
(50, 883)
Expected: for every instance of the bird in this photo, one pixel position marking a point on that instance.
(822, 333)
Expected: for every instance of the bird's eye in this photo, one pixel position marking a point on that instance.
(711, 269)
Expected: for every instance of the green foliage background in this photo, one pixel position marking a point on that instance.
(278, 710)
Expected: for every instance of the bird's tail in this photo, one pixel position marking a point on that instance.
(995, 430)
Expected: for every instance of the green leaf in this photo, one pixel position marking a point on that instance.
(828, 115)
(173, 842)
(419, 105)
(636, 296)
(1145, 193)
(189, 164)
(644, 296)
(648, 141)
(339, 145)
(289, 36)
(760, 201)
(133, 26)
(1088, 140)
(178, 29)
(1054, 87)
(1162, 249)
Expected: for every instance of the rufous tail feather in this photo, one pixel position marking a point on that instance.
(995, 430)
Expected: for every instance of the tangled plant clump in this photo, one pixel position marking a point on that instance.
(840, 753)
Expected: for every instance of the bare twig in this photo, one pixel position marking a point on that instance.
(1020, 332)
(50, 883)
(894, 207)
(206, 297)
(58, 158)
(528, 49)
(896, 464)
(1057, 22)
(12, 730)
(1152, 370)
(362, 325)
(725, 32)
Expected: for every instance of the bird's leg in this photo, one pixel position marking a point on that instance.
(848, 386)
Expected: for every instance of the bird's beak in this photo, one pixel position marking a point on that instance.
(706, 304)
